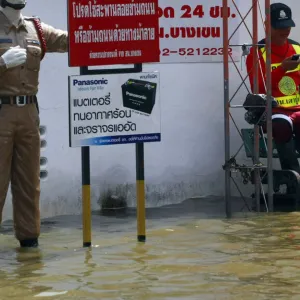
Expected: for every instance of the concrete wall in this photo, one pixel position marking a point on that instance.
(187, 163)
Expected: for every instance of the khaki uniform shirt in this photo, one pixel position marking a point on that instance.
(24, 79)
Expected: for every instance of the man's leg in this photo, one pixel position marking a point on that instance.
(6, 149)
(296, 122)
(283, 127)
(25, 179)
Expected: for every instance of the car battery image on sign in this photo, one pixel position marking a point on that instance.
(139, 95)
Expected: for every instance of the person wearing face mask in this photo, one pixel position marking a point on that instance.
(285, 84)
(23, 44)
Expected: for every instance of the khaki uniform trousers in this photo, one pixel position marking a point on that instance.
(20, 166)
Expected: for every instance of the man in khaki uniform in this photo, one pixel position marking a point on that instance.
(21, 49)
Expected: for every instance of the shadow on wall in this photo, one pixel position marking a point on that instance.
(158, 194)
(116, 187)
(174, 185)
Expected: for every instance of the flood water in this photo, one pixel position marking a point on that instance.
(188, 255)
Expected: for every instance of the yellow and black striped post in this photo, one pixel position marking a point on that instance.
(86, 197)
(140, 193)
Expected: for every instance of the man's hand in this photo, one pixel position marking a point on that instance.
(15, 56)
(288, 64)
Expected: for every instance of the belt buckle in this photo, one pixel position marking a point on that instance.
(20, 101)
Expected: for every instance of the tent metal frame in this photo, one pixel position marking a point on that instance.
(227, 57)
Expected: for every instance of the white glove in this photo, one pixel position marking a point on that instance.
(15, 56)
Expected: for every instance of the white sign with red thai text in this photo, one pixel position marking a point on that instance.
(192, 31)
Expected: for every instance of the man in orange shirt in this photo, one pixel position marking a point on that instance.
(285, 84)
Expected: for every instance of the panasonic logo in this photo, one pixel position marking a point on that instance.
(137, 96)
(149, 76)
(89, 82)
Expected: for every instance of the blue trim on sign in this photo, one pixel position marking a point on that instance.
(121, 139)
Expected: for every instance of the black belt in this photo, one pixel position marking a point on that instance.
(18, 100)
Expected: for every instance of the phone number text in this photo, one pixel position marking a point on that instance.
(194, 51)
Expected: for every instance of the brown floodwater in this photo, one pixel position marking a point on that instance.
(189, 257)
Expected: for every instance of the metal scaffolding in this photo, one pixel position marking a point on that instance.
(256, 166)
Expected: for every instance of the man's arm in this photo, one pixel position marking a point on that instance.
(56, 39)
(276, 75)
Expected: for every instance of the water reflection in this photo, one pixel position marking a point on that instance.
(255, 258)
(20, 270)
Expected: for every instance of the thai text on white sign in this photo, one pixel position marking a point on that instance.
(192, 30)
(114, 109)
